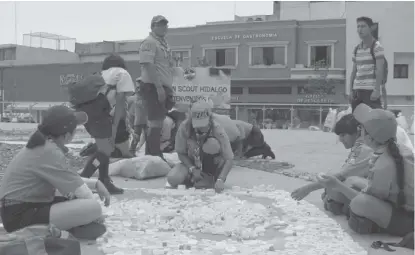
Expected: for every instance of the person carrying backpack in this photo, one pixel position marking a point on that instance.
(370, 69)
(100, 95)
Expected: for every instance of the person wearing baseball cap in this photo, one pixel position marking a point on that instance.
(204, 150)
(387, 203)
(27, 191)
(157, 70)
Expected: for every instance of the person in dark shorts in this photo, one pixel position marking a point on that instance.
(252, 141)
(106, 113)
(386, 204)
(204, 151)
(368, 72)
(157, 78)
(27, 191)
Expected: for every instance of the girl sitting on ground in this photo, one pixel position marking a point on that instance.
(27, 191)
(386, 204)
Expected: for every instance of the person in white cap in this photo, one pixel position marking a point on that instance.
(204, 150)
(386, 204)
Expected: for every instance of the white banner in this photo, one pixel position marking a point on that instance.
(200, 83)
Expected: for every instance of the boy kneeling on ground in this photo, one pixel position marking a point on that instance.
(204, 151)
(353, 172)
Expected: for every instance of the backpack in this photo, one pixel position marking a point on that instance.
(407, 242)
(39, 239)
(385, 65)
(86, 90)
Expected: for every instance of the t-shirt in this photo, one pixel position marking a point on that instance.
(357, 162)
(365, 65)
(119, 77)
(229, 126)
(402, 138)
(154, 52)
(245, 128)
(34, 175)
(185, 144)
(383, 178)
(168, 125)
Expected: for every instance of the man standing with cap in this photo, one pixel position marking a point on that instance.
(157, 79)
(204, 150)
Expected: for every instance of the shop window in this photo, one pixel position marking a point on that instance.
(221, 57)
(268, 56)
(8, 54)
(400, 71)
(320, 56)
(181, 58)
(270, 90)
(237, 91)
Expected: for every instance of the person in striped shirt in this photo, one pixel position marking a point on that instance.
(367, 73)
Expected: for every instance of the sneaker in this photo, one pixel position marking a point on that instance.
(362, 225)
(334, 207)
(112, 189)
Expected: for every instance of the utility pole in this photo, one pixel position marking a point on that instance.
(2, 93)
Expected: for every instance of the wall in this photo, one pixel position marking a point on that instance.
(306, 10)
(31, 56)
(43, 82)
(396, 32)
(294, 33)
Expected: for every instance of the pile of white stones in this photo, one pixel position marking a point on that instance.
(202, 222)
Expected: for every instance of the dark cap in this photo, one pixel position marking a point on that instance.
(59, 120)
(159, 18)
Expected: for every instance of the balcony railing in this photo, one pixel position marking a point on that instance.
(305, 73)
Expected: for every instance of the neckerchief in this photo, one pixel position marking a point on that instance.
(163, 43)
(200, 140)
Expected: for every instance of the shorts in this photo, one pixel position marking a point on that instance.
(255, 138)
(18, 216)
(363, 96)
(99, 123)
(401, 223)
(155, 109)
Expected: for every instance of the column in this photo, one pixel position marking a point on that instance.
(236, 112)
(321, 116)
(263, 116)
(292, 116)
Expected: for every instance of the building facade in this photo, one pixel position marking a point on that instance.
(395, 25)
(273, 64)
(282, 71)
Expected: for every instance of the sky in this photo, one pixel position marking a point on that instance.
(99, 21)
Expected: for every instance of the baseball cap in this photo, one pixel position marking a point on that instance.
(380, 124)
(60, 119)
(158, 18)
(200, 112)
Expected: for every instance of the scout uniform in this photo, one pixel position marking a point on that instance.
(379, 206)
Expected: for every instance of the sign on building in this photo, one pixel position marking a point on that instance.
(202, 83)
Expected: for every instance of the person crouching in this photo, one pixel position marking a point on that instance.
(204, 151)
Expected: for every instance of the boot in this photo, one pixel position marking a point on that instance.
(153, 142)
(268, 152)
(112, 189)
(90, 167)
(103, 167)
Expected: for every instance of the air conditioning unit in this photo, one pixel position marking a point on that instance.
(256, 18)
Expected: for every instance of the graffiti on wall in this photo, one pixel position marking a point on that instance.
(66, 79)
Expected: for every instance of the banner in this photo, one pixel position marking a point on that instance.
(202, 83)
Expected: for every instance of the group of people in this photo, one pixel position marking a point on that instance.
(375, 187)
(39, 187)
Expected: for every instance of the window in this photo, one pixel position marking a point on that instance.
(268, 56)
(221, 57)
(236, 90)
(181, 58)
(8, 54)
(320, 56)
(400, 71)
(270, 90)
